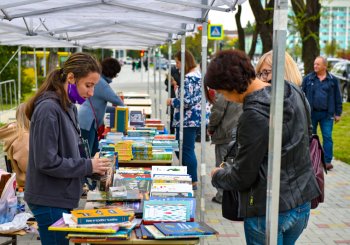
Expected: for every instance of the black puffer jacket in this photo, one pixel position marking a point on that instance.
(248, 173)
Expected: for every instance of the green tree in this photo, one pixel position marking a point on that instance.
(307, 19)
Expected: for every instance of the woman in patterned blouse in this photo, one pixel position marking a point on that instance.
(192, 112)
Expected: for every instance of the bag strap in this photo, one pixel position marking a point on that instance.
(93, 110)
(77, 128)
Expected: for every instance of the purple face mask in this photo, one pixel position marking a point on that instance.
(74, 95)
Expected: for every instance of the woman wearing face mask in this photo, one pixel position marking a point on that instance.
(55, 168)
(92, 111)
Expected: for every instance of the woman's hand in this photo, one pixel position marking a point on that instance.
(100, 165)
(168, 101)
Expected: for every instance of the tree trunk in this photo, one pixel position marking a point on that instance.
(254, 41)
(308, 24)
(53, 60)
(264, 24)
(240, 30)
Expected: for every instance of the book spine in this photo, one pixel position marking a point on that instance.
(102, 220)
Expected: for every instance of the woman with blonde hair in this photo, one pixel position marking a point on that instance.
(15, 136)
(291, 71)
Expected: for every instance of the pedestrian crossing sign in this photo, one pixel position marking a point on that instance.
(215, 32)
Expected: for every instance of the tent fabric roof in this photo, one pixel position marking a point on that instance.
(133, 24)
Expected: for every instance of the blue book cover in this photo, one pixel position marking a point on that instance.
(145, 233)
(185, 229)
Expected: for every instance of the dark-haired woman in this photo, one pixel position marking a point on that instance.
(55, 169)
(231, 74)
(91, 113)
(192, 112)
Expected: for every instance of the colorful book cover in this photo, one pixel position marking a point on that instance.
(185, 229)
(156, 211)
(96, 216)
(59, 225)
(157, 234)
(191, 200)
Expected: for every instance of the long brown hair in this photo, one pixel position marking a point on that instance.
(80, 64)
(190, 62)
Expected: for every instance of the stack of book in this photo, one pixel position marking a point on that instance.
(141, 133)
(142, 151)
(114, 136)
(166, 144)
(98, 224)
(154, 123)
(124, 149)
(171, 181)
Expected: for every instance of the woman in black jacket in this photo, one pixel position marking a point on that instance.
(231, 74)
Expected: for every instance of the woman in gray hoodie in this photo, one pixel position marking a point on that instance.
(55, 166)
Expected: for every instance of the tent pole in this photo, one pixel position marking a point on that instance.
(141, 67)
(276, 116)
(148, 70)
(19, 73)
(160, 85)
(35, 71)
(169, 83)
(182, 91)
(203, 118)
(154, 84)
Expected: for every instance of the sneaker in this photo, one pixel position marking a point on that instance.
(215, 200)
(329, 166)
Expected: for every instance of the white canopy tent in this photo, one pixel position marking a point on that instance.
(141, 24)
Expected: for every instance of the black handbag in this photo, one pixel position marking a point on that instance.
(230, 199)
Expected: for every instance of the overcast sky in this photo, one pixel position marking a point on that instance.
(228, 19)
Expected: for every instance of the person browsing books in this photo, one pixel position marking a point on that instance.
(91, 113)
(231, 74)
(55, 167)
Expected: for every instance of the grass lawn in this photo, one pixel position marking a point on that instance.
(341, 136)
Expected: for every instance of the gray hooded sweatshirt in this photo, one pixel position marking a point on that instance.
(55, 168)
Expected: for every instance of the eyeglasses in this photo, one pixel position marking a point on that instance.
(263, 74)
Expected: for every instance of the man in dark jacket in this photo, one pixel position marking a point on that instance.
(231, 74)
(222, 125)
(323, 93)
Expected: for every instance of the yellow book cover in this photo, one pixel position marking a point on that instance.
(99, 216)
(59, 225)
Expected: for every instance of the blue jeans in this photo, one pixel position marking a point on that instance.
(188, 155)
(46, 216)
(326, 125)
(290, 226)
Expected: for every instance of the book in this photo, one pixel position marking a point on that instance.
(191, 200)
(157, 234)
(157, 211)
(60, 225)
(145, 233)
(96, 216)
(175, 170)
(185, 229)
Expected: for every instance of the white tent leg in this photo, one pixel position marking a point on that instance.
(182, 91)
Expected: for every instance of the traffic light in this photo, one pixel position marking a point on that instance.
(142, 53)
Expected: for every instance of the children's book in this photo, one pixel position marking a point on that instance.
(60, 225)
(185, 229)
(155, 211)
(96, 216)
(191, 200)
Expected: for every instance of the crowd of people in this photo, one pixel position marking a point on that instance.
(52, 145)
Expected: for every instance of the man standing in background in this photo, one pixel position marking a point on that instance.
(323, 93)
